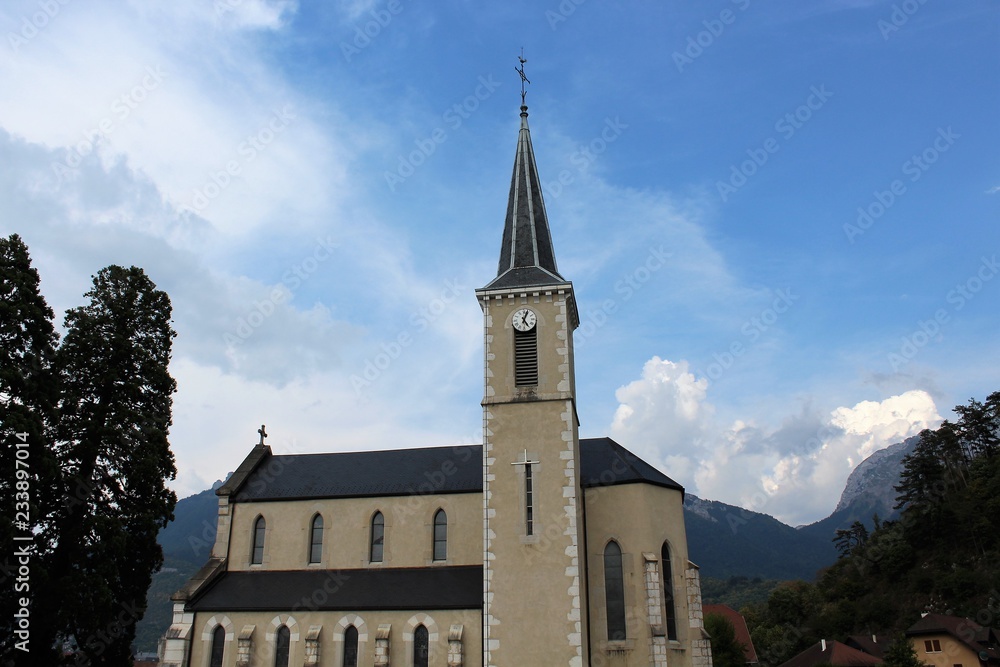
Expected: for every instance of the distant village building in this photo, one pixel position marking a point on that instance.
(739, 624)
(832, 653)
(951, 641)
(533, 548)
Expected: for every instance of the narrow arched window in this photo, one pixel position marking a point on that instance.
(218, 646)
(440, 535)
(351, 647)
(281, 646)
(669, 613)
(378, 538)
(614, 591)
(316, 540)
(421, 646)
(259, 529)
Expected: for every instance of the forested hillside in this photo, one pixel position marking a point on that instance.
(941, 555)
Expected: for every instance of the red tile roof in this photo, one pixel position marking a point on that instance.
(739, 625)
(832, 653)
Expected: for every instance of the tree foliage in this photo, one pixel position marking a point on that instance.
(727, 651)
(942, 554)
(27, 400)
(97, 411)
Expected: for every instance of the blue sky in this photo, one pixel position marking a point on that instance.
(780, 218)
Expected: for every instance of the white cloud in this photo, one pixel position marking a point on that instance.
(794, 471)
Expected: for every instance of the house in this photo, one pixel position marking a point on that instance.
(951, 641)
(739, 624)
(833, 653)
(872, 644)
(533, 547)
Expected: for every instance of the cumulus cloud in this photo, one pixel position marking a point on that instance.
(794, 470)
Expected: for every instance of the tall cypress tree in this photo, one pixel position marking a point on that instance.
(28, 471)
(115, 413)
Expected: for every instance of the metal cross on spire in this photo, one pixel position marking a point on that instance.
(263, 434)
(524, 79)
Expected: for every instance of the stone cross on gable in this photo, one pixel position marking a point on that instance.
(263, 434)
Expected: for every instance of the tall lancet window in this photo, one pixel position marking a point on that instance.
(377, 537)
(440, 535)
(218, 646)
(316, 540)
(421, 646)
(668, 593)
(614, 591)
(257, 551)
(351, 647)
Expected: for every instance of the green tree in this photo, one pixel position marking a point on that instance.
(900, 653)
(27, 398)
(848, 539)
(727, 651)
(115, 413)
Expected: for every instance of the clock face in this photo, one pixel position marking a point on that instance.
(524, 320)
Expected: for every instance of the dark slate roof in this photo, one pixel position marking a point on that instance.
(606, 463)
(431, 470)
(395, 472)
(526, 255)
(342, 590)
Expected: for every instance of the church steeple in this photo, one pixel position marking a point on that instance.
(526, 255)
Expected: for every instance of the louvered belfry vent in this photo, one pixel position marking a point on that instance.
(526, 358)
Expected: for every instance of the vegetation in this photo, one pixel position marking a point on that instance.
(941, 555)
(727, 651)
(96, 410)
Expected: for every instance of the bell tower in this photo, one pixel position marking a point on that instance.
(534, 593)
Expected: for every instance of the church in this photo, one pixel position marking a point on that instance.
(533, 548)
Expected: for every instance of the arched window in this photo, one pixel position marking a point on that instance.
(281, 645)
(316, 540)
(259, 528)
(351, 647)
(378, 538)
(614, 591)
(421, 646)
(440, 535)
(218, 646)
(669, 613)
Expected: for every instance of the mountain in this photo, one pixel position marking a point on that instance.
(869, 490)
(727, 541)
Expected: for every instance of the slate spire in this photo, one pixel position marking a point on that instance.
(526, 254)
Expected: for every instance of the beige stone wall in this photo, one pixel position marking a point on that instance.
(953, 652)
(346, 521)
(534, 593)
(640, 517)
(331, 635)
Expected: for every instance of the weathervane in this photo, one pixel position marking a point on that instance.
(524, 79)
(263, 434)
